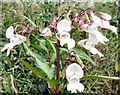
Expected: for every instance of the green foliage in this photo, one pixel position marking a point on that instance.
(26, 72)
(82, 55)
(44, 66)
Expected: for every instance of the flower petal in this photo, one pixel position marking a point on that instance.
(5, 47)
(8, 51)
(95, 51)
(17, 39)
(105, 16)
(105, 24)
(63, 41)
(71, 43)
(113, 28)
(80, 87)
(92, 39)
(10, 32)
(96, 19)
(64, 26)
(73, 87)
(46, 32)
(102, 39)
(74, 69)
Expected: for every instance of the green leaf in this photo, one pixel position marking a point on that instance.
(39, 73)
(42, 45)
(38, 48)
(12, 82)
(79, 61)
(100, 77)
(33, 24)
(44, 66)
(49, 44)
(82, 55)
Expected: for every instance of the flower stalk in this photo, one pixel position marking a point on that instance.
(58, 66)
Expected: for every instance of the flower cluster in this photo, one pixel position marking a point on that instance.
(92, 27)
(88, 21)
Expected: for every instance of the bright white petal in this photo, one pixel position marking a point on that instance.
(8, 51)
(80, 87)
(89, 45)
(63, 41)
(64, 26)
(73, 87)
(96, 19)
(71, 43)
(17, 39)
(95, 51)
(92, 39)
(10, 32)
(82, 42)
(113, 28)
(105, 24)
(74, 69)
(5, 47)
(105, 16)
(102, 39)
(8, 46)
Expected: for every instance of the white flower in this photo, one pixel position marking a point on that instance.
(46, 32)
(63, 35)
(105, 16)
(93, 29)
(90, 45)
(73, 73)
(64, 38)
(15, 39)
(64, 26)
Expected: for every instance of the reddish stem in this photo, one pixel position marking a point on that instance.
(58, 66)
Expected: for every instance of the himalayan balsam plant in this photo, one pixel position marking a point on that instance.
(59, 31)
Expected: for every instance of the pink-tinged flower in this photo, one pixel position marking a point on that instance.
(81, 22)
(15, 39)
(64, 38)
(55, 22)
(64, 26)
(46, 32)
(73, 73)
(105, 16)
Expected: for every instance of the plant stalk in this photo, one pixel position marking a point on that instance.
(58, 66)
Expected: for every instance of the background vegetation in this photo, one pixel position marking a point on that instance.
(15, 75)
